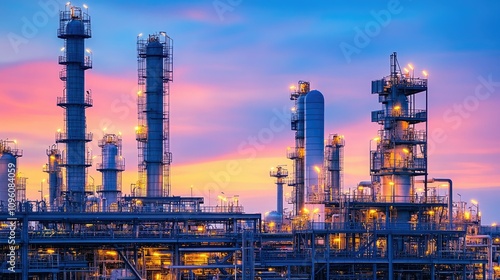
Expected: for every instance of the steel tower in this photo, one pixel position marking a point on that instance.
(334, 165)
(53, 168)
(298, 152)
(400, 151)
(74, 28)
(154, 56)
(111, 168)
(279, 173)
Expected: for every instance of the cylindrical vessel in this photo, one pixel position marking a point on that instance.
(8, 166)
(154, 118)
(314, 126)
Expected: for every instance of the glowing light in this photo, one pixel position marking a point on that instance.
(473, 201)
(406, 151)
(50, 251)
(391, 183)
(316, 210)
(111, 253)
(373, 211)
(68, 3)
(163, 33)
(58, 130)
(317, 169)
(293, 87)
(136, 128)
(376, 139)
(15, 141)
(431, 212)
(88, 50)
(467, 215)
(406, 70)
(425, 73)
(410, 66)
(493, 224)
(63, 48)
(306, 211)
(140, 35)
(397, 107)
(139, 92)
(85, 6)
(200, 228)
(104, 129)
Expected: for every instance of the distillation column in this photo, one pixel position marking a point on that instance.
(314, 127)
(297, 153)
(334, 165)
(155, 73)
(74, 28)
(55, 175)
(400, 151)
(111, 168)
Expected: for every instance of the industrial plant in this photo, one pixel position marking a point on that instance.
(394, 226)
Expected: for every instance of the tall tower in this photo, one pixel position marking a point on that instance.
(334, 165)
(314, 126)
(53, 168)
(297, 153)
(111, 168)
(74, 28)
(308, 154)
(400, 150)
(154, 57)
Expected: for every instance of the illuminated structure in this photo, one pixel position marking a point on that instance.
(155, 72)
(308, 123)
(74, 28)
(111, 168)
(383, 229)
(53, 168)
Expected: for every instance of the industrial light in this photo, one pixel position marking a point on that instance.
(292, 87)
(68, 3)
(397, 107)
(376, 139)
(406, 151)
(410, 66)
(85, 6)
(88, 50)
(425, 73)
(406, 70)
(63, 48)
(50, 251)
(317, 169)
(140, 35)
(473, 201)
(163, 33)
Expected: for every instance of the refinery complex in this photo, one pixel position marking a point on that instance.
(395, 226)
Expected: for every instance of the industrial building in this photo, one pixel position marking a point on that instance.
(395, 226)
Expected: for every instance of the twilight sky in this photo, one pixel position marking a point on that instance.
(234, 61)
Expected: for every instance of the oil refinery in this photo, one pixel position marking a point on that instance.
(394, 226)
